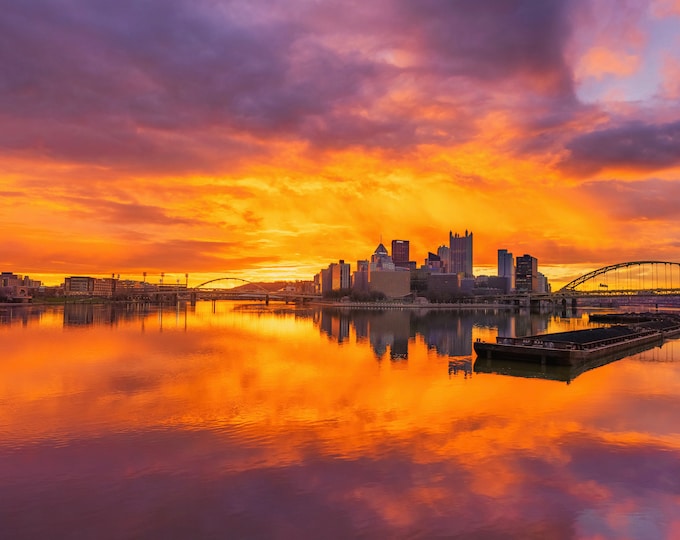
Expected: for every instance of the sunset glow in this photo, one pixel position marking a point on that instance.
(266, 139)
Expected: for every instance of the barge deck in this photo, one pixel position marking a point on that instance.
(581, 346)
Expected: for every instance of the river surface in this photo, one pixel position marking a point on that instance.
(233, 420)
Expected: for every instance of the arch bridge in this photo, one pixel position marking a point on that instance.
(202, 285)
(634, 277)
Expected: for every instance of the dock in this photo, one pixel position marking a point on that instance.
(578, 347)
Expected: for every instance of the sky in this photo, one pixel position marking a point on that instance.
(265, 139)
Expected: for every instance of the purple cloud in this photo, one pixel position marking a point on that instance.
(634, 145)
(175, 85)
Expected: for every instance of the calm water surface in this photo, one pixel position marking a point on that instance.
(244, 421)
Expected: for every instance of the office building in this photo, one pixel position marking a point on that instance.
(381, 260)
(444, 254)
(506, 268)
(460, 254)
(526, 274)
(340, 275)
(400, 253)
(384, 277)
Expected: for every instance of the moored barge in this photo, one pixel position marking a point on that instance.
(579, 346)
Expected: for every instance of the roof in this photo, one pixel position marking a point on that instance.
(381, 250)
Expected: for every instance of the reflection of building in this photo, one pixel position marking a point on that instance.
(383, 330)
(335, 325)
(390, 329)
(448, 334)
(78, 314)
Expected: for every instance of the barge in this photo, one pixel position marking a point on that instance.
(578, 347)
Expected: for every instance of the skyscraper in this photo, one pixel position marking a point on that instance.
(460, 253)
(506, 267)
(526, 274)
(400, 253)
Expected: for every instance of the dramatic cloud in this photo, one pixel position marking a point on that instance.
(271, 124)
(635, 146)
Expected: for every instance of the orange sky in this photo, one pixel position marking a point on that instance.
(266, 140)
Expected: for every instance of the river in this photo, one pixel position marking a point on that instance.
(236, 420)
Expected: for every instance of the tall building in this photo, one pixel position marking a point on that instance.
(400, 253)
(360, 277)
(506, 267)
(444, 254)
(460, 253)
(526, 274)
(340, 275)
(383, 277)
(433, 263)
(381, 260)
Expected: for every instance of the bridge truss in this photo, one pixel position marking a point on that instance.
(633, 277)
(259, 287)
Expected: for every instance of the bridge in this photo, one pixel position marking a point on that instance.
(639, 279)
(635, 277)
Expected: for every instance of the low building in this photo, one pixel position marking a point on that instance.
(78, 286)
(393, 284)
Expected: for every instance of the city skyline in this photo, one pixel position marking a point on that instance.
(266, 140)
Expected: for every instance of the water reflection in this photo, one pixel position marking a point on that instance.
(246, 421)
(448, 333)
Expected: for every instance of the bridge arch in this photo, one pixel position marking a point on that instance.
(629, 276)
(262, 289)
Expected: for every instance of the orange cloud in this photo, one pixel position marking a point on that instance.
(600, 61)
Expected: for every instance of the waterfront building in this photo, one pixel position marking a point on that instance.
(104, 288)
(385, 277)
(10, 279)
(444, 254)
(443, 285)
(340, 275)
(360, 277)
(460, 254)
(325, 280)
(543, 285)
(433, 263)
(526, 274)
(506, 268)
(78, 285)
(380, 260)
(400, 253)
(393, 284)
